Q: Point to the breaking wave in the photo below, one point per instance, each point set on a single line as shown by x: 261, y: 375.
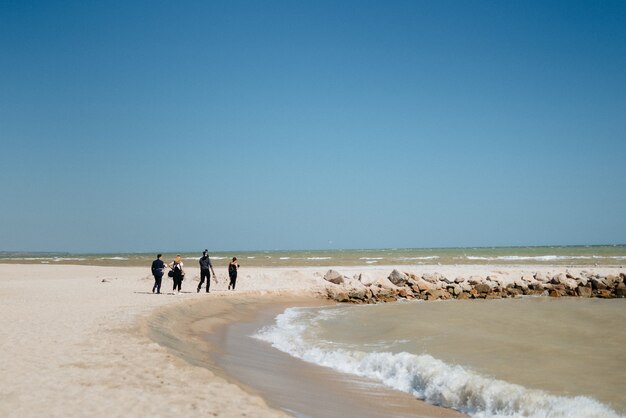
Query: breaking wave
x: 426, y: 377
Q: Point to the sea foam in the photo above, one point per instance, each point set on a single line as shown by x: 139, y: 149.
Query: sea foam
x: 426, y: 377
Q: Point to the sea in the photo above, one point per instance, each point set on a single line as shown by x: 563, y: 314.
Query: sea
x: 601, y: 255
x: 528, y: 357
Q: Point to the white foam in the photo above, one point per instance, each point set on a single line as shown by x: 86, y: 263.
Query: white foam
x: 530, y: 258
x: 430, y: 257
x: 68, y: 259
x: 113, y: 258
x: 371, y: 258
x: 284, y: 258
x: 319, y: 258
x: 426, y: 377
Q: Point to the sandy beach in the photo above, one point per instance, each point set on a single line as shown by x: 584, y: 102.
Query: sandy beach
x: 86, y: 340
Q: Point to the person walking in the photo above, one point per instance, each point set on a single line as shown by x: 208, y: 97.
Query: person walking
x: 205, y: 271
x: 178, y: 273
x: 158, y: 267
x: 232, y: 273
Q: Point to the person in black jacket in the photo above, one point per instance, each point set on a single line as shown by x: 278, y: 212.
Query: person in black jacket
x: 205, y: 271
x: 158, y: 267
x: 232, y: 273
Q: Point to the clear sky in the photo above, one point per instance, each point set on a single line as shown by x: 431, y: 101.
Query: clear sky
x: 169, y: 125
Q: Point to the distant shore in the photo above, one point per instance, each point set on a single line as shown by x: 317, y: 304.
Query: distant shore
x: 90, y: 340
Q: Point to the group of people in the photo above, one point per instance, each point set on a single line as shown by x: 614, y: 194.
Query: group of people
x: 177, y: 272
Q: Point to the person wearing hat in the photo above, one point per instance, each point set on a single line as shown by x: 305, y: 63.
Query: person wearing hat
x: 205, y: 271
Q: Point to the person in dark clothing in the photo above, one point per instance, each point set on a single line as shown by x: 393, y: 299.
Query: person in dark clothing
x: 158, y: 267
x: 205, y: 271
x: 232, y: 273
x: 179, y: 273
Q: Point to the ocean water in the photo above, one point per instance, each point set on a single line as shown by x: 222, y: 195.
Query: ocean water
x: 610, y: 255
x: 530, y: 357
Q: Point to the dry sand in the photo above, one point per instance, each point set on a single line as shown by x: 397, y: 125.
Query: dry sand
x: 79, y: 340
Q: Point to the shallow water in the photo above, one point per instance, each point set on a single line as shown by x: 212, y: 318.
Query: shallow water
x: 521, y: 357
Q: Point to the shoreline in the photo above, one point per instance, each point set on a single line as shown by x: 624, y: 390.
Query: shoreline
x: 285, y: 383
x: 76, y: 339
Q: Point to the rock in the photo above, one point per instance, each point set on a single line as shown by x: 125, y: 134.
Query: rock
x: 620, y: 291
x: 514, y: 291
x: 604, y: 294
x: 463, y: 296
x: 104, y: 281
x: 386, y: 295
x: 423, y: 285
x: 459, y: 280
x: 444, y: 279
x: 351, y: 283
x: 465, y: 286
x: 584, y: 291
x: 436, y: 294
x: 432, y: 278
x: 598, y: 284
x: 384, y: 283
x: 570, y: 284
x: 612, y: 281
x: 540, y: 277
x: 483, y: 288
x: 455, y: 289
x: 333, y: 277
x: 398, y: 278
x: 559, y: 279
x: 366, y: 279
x: 357, y: 293
x: 337, y: 293
x: 475, y: 280
x: 520, y: 283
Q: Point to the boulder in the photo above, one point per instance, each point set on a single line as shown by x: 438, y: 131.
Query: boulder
x: 612, y: 281
x: 570, y: 284
x: 398, y: 278
x: 358, y: 294
x: 437, y: 294
x: 604, y: 294
x: 465, y: 286
x: 463, y: 296
x: 584, y: 291
x: 598, y: 284
x: 540, y: 277
x: 366, y: 279
x: 445, y: 280
x: 559, y: 279
x: 483, y: 288
x: 459, y: 280
x: 384, y: 283
x: 333, y: 277
x: 337, y: 293
x: 423, y: 285
x: 620, y: 291
x: 475, y: 280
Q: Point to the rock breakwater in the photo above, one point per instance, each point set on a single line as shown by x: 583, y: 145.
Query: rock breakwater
x: 362, y: 288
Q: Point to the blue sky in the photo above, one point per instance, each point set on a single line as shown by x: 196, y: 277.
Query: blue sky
x: 146, y: 126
